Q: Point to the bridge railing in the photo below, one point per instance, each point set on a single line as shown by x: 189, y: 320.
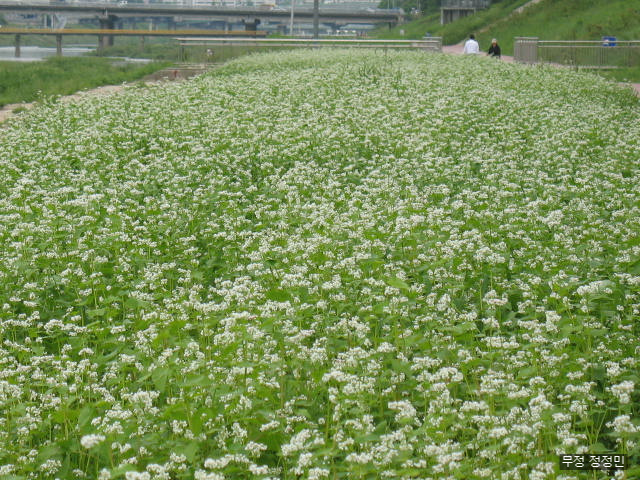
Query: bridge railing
x: 587, y: 54
x: 433, y: 44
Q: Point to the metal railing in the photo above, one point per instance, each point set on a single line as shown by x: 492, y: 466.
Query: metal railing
x: 586, y: 54
x: 590, y: 54
x: 432, y: 44
x: 525, y: 50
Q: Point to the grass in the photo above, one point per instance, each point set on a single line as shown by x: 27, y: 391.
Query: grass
x: 27, y: 82
x: 323, y: 264
x: 548, y: 20
x: 453, y: 32
x: 629, y: 74
x: 169, y: 51
x: 574, y: 20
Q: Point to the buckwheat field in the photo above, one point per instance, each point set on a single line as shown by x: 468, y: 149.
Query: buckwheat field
x: 323, y: 265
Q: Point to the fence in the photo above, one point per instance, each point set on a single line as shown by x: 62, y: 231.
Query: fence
x: 432, y: 44
x: 589, y: 54
x: 525, y: 50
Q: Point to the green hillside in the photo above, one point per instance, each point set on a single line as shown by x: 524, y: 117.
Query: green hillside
x: 456, y: 31
x: 570, y: 20
x: 549, y: 19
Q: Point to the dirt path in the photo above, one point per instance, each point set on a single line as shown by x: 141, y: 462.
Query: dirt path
x: 525, y: 6
x: 11, y: 109
x: 176, y: 73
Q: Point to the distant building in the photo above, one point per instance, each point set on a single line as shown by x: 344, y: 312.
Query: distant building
x: 452, y: 10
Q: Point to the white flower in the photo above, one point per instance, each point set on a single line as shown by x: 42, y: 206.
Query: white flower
x: 405, y: 410
x: 622, y: 424
x: 90, y: 441
x: 104, y: 474
x: 623, y: 391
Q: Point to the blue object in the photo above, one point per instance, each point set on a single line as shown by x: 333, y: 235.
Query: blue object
x: 609, y: 41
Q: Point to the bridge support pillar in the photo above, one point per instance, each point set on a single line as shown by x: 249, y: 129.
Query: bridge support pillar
x: 141, y: 42
x: 316, y: 19
x: 59, y: 45
x: 106, y: 23
x: 17, y: 44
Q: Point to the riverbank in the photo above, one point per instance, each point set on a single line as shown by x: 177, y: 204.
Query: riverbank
x: 33, y: 81
x: 169, y: 73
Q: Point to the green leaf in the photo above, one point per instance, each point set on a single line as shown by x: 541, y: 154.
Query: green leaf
x: 134, y: 303
x: 367, y: 438
x: 48, y: 452
x: 461, y: 329
x: 190, y: 451
x: 277, y: 295
x: 397, y: 283
x: 160, y: 377
x: 527, y: 372
x: 85, y: 415
x: 98, y: 312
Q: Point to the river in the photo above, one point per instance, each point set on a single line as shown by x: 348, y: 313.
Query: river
x: 34, y: 54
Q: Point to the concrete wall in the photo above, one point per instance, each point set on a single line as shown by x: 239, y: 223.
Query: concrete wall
x: 448, y: 15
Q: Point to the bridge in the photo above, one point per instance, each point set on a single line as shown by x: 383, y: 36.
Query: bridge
x: 113, y: 11
x: 105, y: 37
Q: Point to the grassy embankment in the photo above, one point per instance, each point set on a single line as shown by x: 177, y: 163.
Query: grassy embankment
x: 456, y: 31
x: 547, y: 20
x: 26, y: 82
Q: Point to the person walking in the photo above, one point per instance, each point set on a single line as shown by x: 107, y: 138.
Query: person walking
x: 494, y: 49
x: 471, y: 46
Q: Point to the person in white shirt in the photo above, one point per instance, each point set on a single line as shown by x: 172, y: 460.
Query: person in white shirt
x: 471, y: 46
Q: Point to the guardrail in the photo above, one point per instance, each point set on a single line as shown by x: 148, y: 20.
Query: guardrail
x: 587, y: 54
x: 433, y: 44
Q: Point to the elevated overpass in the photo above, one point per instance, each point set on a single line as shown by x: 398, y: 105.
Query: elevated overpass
x: 114, y: 11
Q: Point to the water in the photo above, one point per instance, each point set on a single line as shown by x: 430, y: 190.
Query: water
x: 34, y: 54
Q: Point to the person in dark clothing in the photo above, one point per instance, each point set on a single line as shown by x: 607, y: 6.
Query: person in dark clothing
x: 494, y: 49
